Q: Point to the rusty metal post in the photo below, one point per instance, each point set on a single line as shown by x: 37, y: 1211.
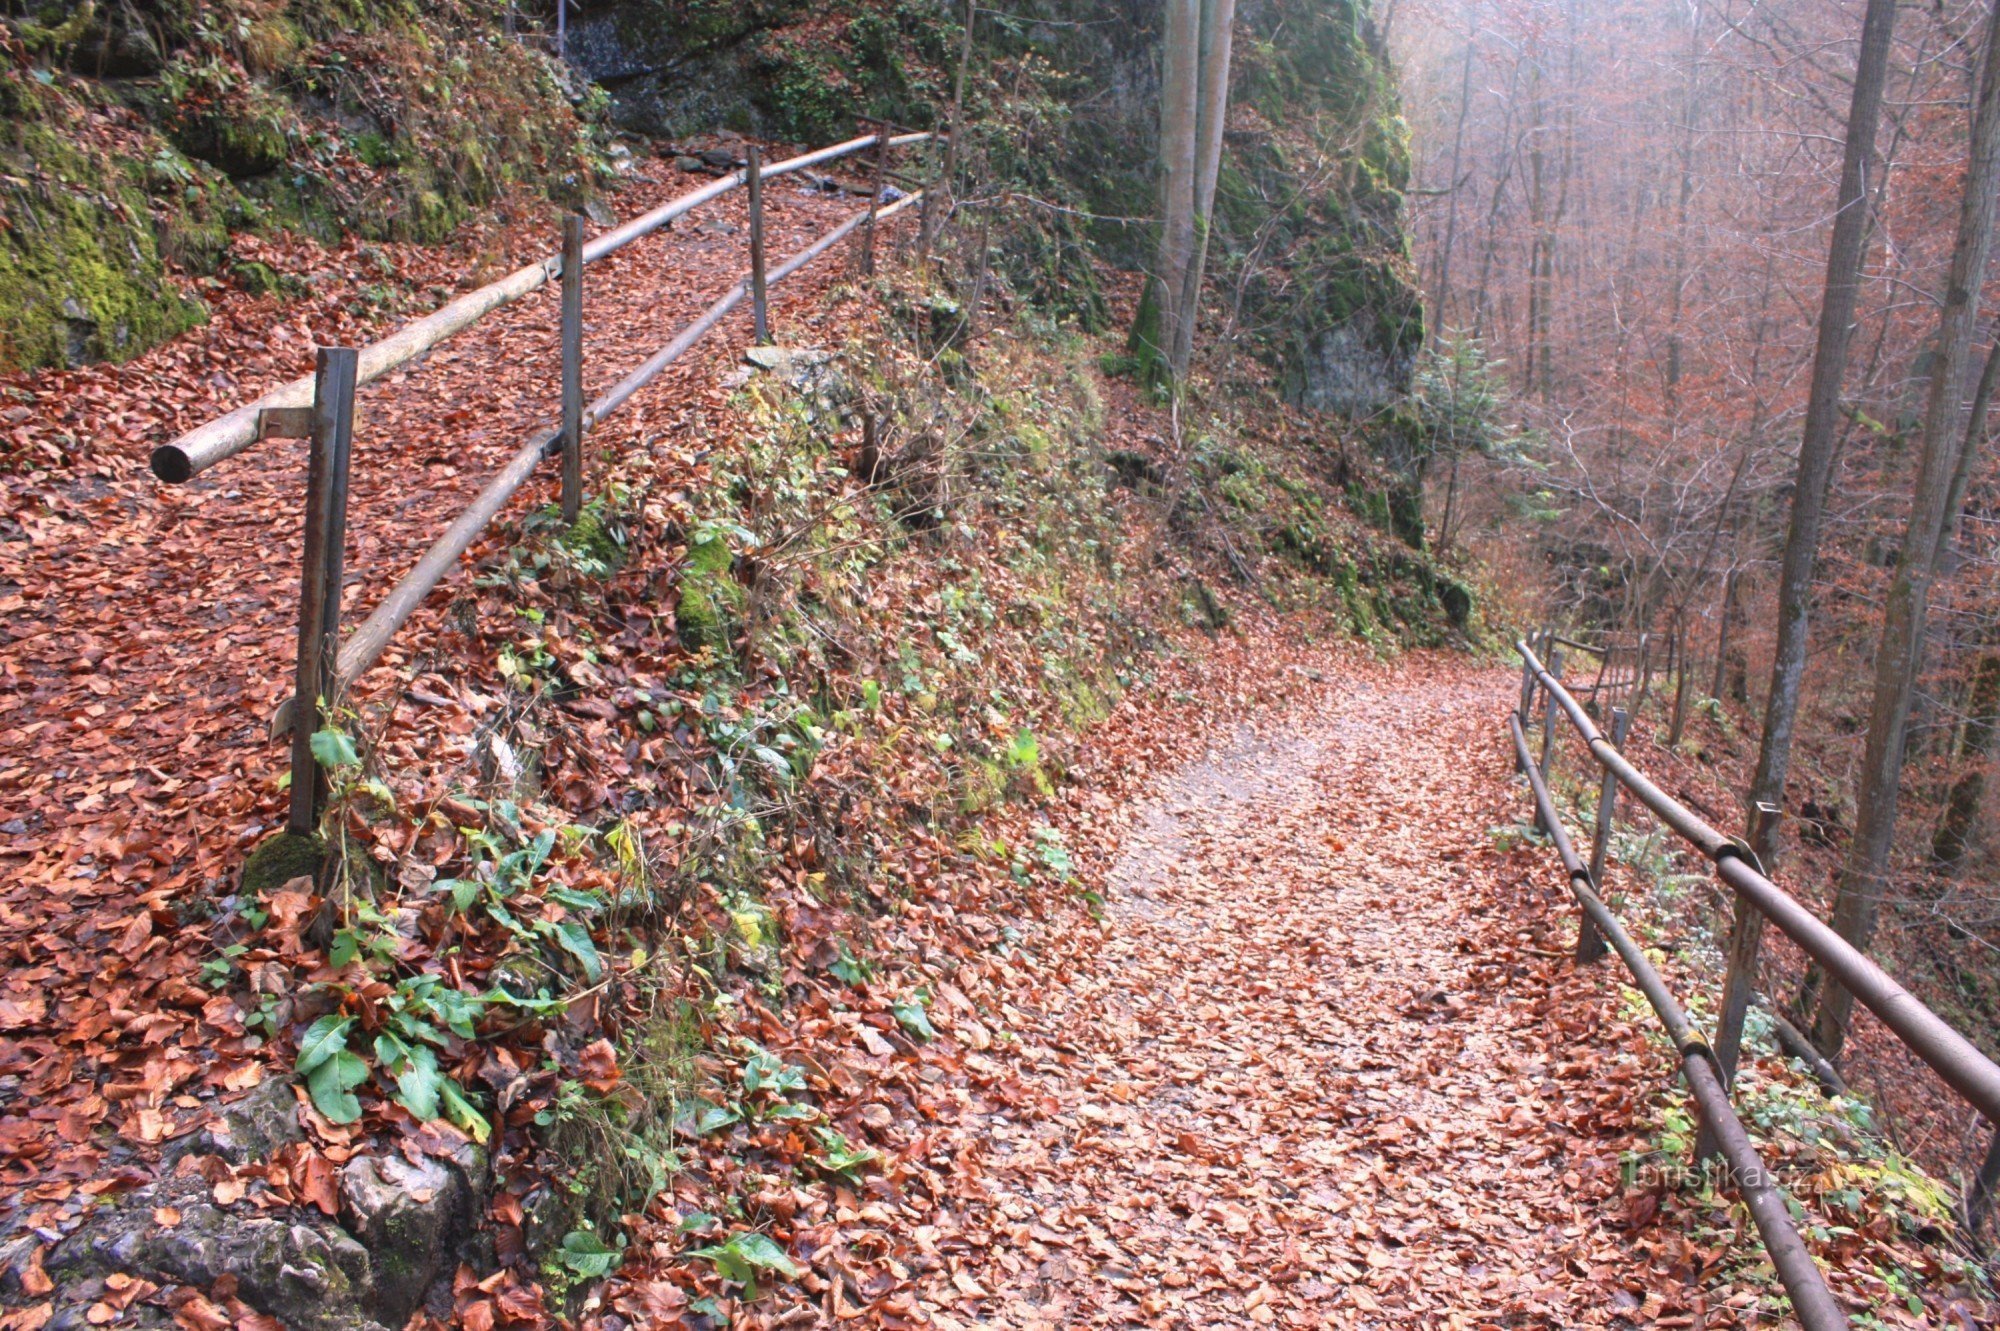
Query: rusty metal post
x: 1590, y: 943
x: 1745, y: 937
x: 572, y: 368
x: 1555, y: 665
x: 760, y: 316
x: 332, y: 433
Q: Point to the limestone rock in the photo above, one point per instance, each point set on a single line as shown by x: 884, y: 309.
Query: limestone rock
x: 415, y: 1218
x: 252, y: 1129
x: 298, y: 1266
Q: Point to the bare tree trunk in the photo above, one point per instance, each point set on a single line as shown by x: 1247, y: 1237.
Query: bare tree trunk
x: 1441, y: 298
x: 1863, y: 877
x: 1955, y: 831
x: 1719, y: 688
x: 1817, y: 444
x: 1157, y: 329
x: 1218, y: 18
x: 936, y: 210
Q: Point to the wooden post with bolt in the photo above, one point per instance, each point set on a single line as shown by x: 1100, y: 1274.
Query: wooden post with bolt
x: 878, y: 178
x: 332, y: 434
x: 1745, y: 937
x: 1555, y: 662
x: 572, y: 368
x: 759, y: 307
x: 1589, y: 943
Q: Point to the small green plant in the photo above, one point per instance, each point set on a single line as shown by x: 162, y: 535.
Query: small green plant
x: 587, y: 1256
x: 840, y: 1157
x: 745, y: 1257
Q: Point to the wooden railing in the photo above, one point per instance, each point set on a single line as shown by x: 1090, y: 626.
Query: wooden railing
x: 1710, y: 1066
x: 320, y: 408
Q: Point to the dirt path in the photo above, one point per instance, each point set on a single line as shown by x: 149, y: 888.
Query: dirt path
x: 1317, y: 1073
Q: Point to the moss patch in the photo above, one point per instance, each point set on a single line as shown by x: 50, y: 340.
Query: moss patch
x: 705, y: 614
x: 281, y: 858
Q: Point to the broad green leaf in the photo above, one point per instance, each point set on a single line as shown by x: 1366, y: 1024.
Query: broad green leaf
x: 588, y: 1255
x: 460, y: 1111
x: 419, y: 1083
x: 912, y: 1017
x: 576, y: 940
x: 744, y: 1256
x: 332, y: 748
x: 464, y: 891
x: 323, y: 1039
x: 714, y: 1119
x: 390, y: 1051
x: 332, y: 1085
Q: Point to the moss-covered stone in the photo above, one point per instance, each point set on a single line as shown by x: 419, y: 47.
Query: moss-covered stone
x: 279, y: 859
x: 257, y: 121
x: 710, y: 598
x: 81, y: 273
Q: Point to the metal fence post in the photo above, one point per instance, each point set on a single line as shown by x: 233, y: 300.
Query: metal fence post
x: 1745, y: 936
x: 759, y: 309
x: 321, y: 569
x: 1590, y: 943
x: 572, y: 368
x: 1555, y: 664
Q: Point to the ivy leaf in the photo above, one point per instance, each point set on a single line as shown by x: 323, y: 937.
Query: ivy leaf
x: 323, y: 1039
x: 332, y: 1084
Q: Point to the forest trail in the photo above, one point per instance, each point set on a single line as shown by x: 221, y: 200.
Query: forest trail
x: 1327, y: 1066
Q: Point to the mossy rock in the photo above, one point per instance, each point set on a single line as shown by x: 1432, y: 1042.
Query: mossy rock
x: 281, y: 858
x: 82, y: 277
x: 705, y: 614
x: 260, y: 279
x: 594, y: 541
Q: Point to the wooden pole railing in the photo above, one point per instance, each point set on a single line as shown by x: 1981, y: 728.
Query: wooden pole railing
x: 196, y: 451
x: 1953, y: 1057
x: 367, y: 643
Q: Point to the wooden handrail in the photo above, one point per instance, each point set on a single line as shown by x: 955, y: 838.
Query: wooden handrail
x: 224, y: 437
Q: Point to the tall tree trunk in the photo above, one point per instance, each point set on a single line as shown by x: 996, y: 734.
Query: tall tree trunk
x: 1817, y: 441
x: 1863, y: 878
x: 1158, y: 325
x: 1218, y: 18
x: 1954, y: 837
x: 1442, y: 292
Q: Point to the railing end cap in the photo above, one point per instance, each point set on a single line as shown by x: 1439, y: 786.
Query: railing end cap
x: 171, y: 464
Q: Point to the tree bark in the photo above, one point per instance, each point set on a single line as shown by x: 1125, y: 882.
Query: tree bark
x: 1218, y: 18
x: 1818, y: 439
x: 1863, y: 877
x: 1157, y: 329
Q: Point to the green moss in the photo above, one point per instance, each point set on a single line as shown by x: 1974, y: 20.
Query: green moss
x: 81, y: 273
x: 279, y: 859
x: 710, y: 597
